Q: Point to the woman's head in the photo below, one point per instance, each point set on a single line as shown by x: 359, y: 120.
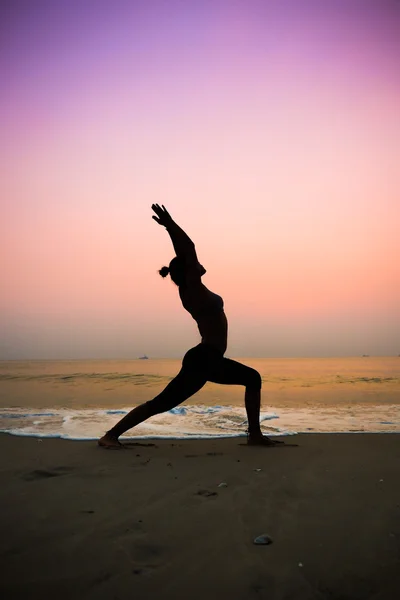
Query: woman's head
x: 177, y: 270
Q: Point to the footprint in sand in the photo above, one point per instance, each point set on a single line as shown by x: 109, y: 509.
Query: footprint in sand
x: 146, y: 558
x: 139, y: 444
x: 46, y: 473
x: 206, y: 493
x: 145, y: 570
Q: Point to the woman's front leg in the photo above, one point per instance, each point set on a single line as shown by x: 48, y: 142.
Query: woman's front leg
x: 231, y: 372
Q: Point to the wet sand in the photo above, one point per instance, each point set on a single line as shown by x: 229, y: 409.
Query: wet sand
x: 151, y: 522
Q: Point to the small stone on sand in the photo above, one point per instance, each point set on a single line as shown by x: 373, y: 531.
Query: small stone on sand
x: 263, y: 540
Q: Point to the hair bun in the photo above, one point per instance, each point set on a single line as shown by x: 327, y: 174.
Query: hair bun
x: 164, y: 271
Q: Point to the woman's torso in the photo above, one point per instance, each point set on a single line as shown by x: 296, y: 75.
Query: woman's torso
x: 207, y: 309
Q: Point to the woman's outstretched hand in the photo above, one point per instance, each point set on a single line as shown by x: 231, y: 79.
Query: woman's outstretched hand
x: 163, y: 217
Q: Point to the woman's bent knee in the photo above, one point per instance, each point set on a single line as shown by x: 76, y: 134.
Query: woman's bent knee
x: 254, y: 381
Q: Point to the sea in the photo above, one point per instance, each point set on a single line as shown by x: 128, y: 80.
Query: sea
x: 81, y: 399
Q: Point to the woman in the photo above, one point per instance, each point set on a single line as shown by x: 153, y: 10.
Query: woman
x: 205, y: 362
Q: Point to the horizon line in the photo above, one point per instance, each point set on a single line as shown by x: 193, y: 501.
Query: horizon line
x: 178, y: 358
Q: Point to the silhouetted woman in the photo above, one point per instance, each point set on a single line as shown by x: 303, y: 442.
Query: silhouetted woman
x: 205, y: 362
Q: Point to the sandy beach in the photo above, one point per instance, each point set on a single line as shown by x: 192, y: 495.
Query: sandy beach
x: 152, y: 522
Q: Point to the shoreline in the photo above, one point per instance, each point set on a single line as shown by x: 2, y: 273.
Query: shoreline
x: 210, y: 438
x: 152, y: 522
x: 189, y: 421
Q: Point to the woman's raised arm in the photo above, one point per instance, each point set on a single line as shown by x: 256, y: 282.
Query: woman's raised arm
x: 183, y: 245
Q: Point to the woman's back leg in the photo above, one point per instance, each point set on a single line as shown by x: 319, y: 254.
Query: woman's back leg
x: 185, y: 384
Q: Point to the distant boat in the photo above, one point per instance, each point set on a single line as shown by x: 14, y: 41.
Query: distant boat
x: 365, y: 355
x: 144, y: 357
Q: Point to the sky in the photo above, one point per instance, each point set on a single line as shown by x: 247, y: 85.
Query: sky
x: 269, y: 129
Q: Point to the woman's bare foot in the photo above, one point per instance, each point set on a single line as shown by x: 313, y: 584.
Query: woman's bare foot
x: 109, y: 441
x: 262, y: 440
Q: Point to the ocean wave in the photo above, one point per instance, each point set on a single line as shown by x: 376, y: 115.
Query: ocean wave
x: 135, y: 378
x: 153, y: 379
x: 198, y: 422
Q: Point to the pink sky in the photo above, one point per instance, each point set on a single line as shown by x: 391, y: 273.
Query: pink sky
x: 270, y: 130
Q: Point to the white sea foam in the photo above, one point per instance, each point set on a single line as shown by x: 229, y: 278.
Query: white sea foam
x: 198, y: 422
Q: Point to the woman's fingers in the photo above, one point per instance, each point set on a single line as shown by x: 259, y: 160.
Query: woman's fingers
x: 157, y: 209
x: 162, y: 213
